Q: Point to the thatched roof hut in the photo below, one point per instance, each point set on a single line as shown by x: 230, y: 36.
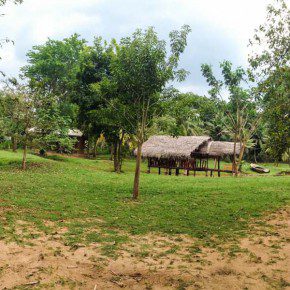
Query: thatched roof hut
x: 218, y: 149
x: 173, y: 147
x: 186, y: 147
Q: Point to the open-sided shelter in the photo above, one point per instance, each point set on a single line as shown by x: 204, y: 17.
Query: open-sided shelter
x: 189, y: 153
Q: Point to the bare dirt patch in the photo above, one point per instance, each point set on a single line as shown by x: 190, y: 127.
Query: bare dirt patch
x: 260, y: 261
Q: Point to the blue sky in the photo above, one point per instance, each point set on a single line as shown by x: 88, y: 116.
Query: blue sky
x: 220, y: 28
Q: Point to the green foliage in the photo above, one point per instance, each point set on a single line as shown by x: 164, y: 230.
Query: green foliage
x: 33, y: 117
x: 141, y: 71
x: 215, y: 84
x: 271, y: 71
x: 277, y: 107
x: 53, y: 68
x: 271, y: 41
x: 181, y: 115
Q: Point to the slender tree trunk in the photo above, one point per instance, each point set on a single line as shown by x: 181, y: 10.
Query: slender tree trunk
x: 112, y: 152
x: 137, y: 171
x: 234, y: 157
x: 241, y: 155
x: 24, y: 155
x: 14, y: 143
x: 115, y: 156
x: 255, y: 155
x: 95, y: 148
x: 120, y: 157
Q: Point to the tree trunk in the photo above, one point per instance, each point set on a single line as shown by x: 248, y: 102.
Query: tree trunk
x: 112, y: 152
x: 119, y: 157
x: 95, y: 148
x: 243, y: 147
x: 234, y: 157
x: 116, y: 157
x: 115, y: 152
x: 255, y: 156
x: 24, y: 155
x: 137, y: 172
x: 14, y: 144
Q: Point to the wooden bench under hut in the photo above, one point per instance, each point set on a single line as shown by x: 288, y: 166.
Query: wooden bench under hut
x: 188, y: 153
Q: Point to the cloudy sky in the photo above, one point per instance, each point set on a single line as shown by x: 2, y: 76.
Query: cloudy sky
x: 220, y: 28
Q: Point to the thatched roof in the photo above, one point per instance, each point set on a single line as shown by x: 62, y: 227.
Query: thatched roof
x: 219, y: 148
x: 171, y: 147
x: 186, y: 147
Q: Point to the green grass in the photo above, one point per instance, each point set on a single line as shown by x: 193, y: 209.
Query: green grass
x: 95, y: 204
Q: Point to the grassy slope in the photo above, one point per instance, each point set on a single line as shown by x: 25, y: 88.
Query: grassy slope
x: 95, y: 204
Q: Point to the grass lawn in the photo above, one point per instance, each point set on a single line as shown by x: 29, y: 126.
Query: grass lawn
x: 94, y: 203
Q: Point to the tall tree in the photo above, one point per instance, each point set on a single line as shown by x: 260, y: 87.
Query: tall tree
x: 240, y: 109
x: 53, y: 69
x: 270, y: 62
x: 95, y: 116
x: 140, y: 72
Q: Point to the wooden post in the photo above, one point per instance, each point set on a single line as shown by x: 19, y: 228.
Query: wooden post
x: 159, y: 170
x: 177, y: 172
x: 215, y: 163
x: 149, y: 162
x: 169, y: 171
x: 219, y: 172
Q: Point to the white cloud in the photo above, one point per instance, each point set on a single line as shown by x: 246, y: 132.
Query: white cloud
x: 221, y: 29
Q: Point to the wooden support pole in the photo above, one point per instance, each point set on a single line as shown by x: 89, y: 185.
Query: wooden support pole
x: 219, y: 168
x: 169, y: 171
x: 159, y: 170
x: 177, y: 172
x: 149, y: 163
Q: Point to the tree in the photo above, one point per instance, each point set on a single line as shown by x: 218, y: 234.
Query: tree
x: 39, y: 121
x: 179, y: 115
x: 53, y: 68
x: 140, y: 72
x: 10, y: 106
x: 270, y: 68
x: 97, y: 96
x: 242, y: 118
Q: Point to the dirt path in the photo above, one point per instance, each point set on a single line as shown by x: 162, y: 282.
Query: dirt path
x: 260, y: 261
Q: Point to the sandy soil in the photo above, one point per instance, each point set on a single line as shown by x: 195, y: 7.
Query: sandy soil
x: 260, y: 261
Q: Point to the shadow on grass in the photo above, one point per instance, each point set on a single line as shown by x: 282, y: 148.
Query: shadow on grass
x: 57, y: 158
